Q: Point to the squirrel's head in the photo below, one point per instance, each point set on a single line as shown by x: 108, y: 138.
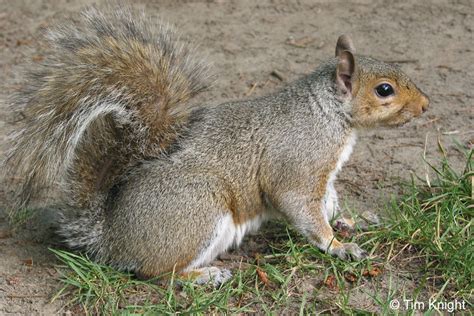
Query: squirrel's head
x: 380, y: 93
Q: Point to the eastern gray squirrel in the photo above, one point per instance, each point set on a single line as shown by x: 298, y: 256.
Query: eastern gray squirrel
x: 149, y: 183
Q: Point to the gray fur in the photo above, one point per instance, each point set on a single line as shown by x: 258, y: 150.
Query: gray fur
x: 273, y: 154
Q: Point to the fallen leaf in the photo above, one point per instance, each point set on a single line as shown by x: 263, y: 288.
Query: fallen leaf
x: 374, y: 272
x: 350, y: 277
x: 263, y: 276
x: 330, y: 282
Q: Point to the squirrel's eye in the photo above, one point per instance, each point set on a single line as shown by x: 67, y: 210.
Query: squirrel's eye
x: 384, y: 90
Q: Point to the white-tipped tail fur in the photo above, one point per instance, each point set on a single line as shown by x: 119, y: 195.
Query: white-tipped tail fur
x: 114, y: 91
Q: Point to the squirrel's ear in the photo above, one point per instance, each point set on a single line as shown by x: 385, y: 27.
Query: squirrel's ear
x: 344, y: 43
x: 344, y: 73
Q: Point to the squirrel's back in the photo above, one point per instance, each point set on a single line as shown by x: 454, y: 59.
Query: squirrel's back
x: 114, y: 91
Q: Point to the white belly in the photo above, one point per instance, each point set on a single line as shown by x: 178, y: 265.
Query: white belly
x: 331, y: 204
x: 226, y: 235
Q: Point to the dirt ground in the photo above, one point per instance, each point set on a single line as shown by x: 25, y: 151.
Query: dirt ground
x: 247, y: 41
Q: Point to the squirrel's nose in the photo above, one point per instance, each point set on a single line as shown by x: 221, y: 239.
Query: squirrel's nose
x: 424, y: 107
x: 425, y: 102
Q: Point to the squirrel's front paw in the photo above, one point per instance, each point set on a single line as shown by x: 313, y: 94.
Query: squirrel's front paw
x: 345, y: 225
x: 349, y: 251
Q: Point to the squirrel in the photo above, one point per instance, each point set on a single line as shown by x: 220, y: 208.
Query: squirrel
x: 150, y: 183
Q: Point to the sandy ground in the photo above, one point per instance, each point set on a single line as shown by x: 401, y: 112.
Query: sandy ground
x: 246, y: 42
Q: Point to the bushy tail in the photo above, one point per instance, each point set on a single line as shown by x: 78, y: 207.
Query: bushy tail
x: 114, y: 91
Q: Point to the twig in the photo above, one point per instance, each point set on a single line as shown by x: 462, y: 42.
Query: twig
x: 404, y: 247
x: 424, y: 159
x: 252, y: 88
x: 403, y: 61
x: 429, y: 122
x: 450, y: 133
x: 275, y: 73
x: 24, y: 296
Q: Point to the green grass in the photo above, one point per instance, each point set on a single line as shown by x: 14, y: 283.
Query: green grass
x: 426, y: 239
x: 433, y: 225
x: 99, y: 289
x: 102, y: 290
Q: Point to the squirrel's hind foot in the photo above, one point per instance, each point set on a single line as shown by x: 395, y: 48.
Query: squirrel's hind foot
x: 214, y: 275
x: 349, y: 251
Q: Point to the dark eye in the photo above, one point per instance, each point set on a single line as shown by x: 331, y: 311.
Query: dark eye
x: 384, y: 90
